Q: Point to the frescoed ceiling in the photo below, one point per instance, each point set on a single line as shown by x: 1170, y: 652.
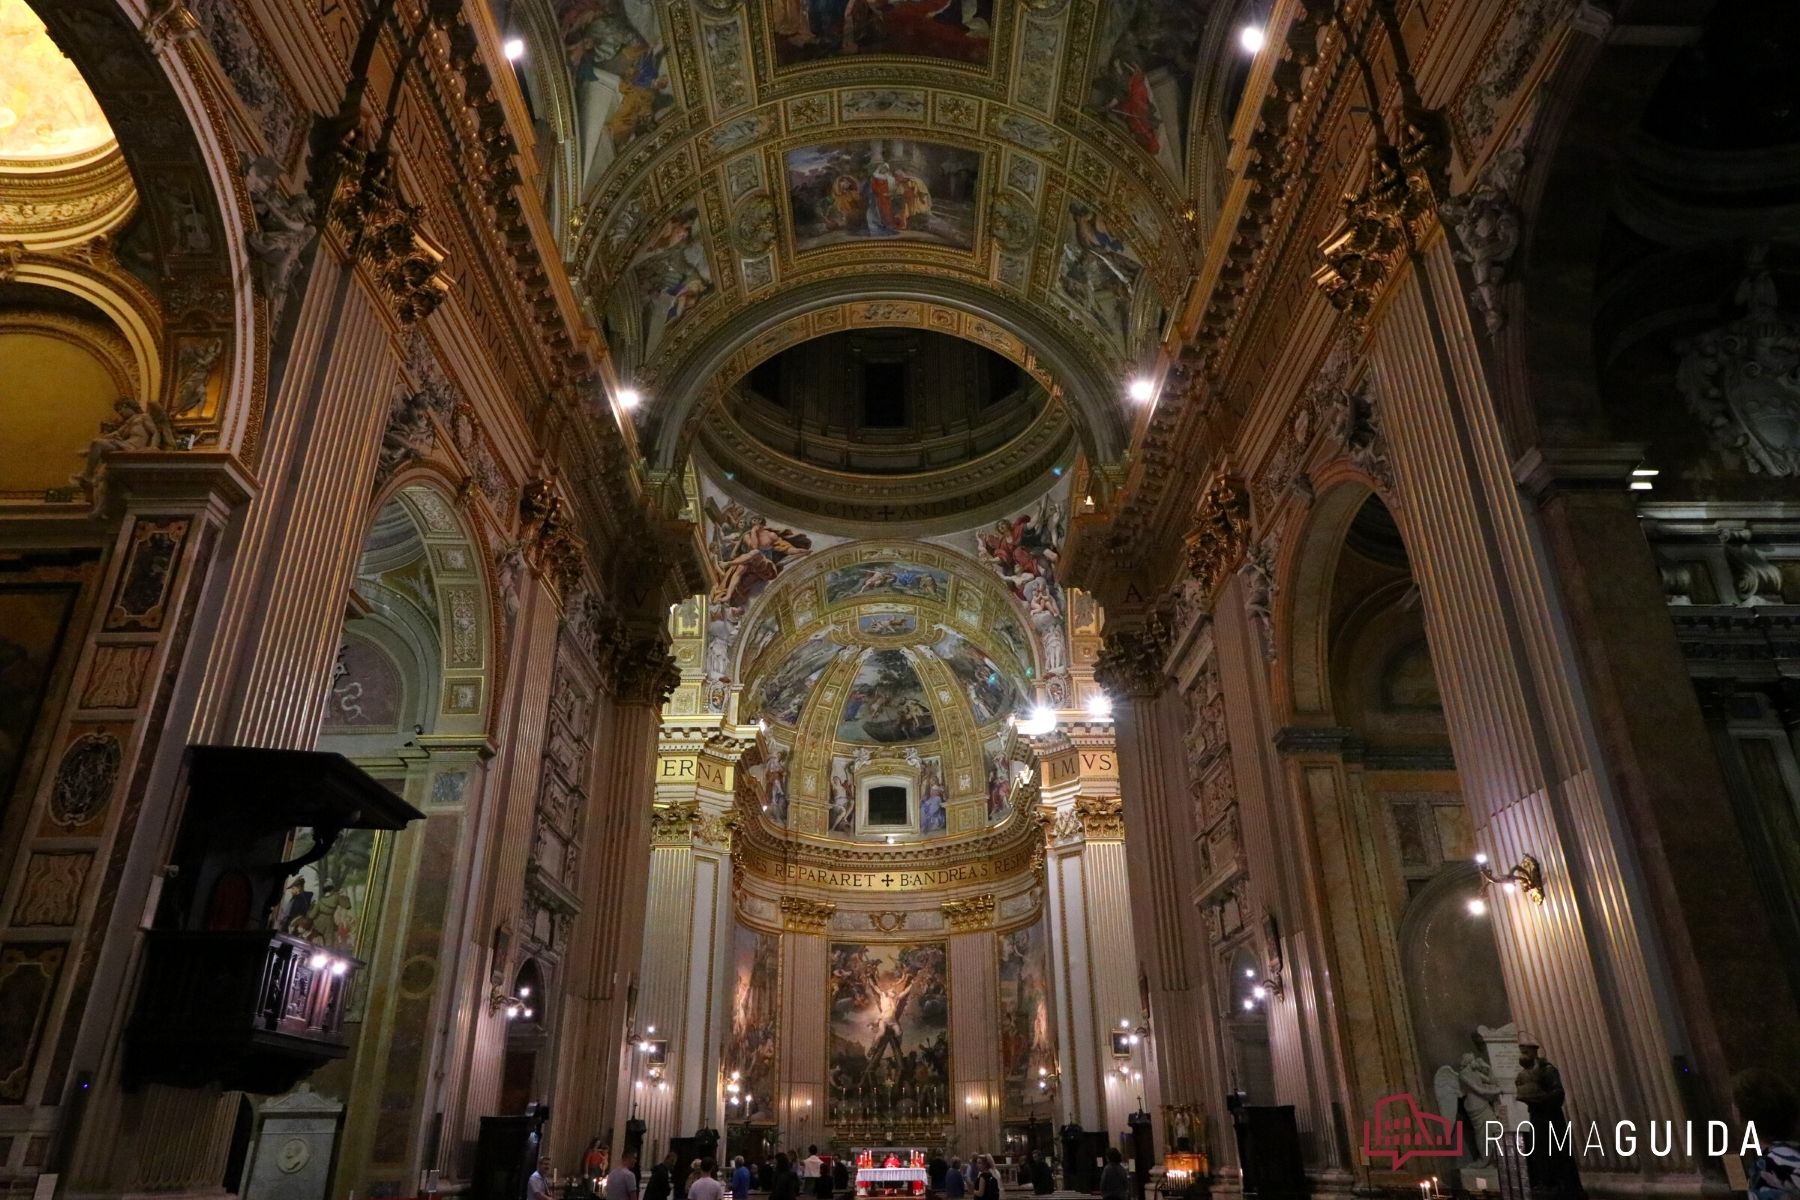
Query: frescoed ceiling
x: 47, y: 113
x: 723, y: 171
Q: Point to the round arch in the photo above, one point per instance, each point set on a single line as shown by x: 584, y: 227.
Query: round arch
x: 197, y: 213
x: 1092, y: 398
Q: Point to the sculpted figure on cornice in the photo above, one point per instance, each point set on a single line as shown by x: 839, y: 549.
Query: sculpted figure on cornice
x: 1258, y: 573
x: 134, y: 426
x: 285, y: 227
x: 1352, y: 421
x: 1485, y: 220
x: 408, y: 436
x: 1131, y: 660
x: 1216, y: 536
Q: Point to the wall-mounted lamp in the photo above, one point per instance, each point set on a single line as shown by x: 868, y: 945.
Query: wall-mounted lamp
x: 513, y: 1006
x: 1527, y: 875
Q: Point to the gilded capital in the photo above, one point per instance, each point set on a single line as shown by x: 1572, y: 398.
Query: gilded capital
x: 965, y: 916
x: 806, y: 916
x: 1102, y: 818
x: 674, y: 824
x: 639, y: 670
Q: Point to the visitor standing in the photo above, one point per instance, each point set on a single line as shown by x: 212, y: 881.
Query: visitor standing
x: 622, y: 1181
x: 705, y: 1186
x: 537, y: 1187
x: 1043, y: 1180
x: 811, y: 1164
x: 740, y: 1179
x: 1115, y: 1180
x: 662, y: 1179
x: 786, y: 1184
x: 956, y: 1184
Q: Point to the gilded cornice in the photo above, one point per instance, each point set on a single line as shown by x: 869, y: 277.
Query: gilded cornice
x: 48, y: 208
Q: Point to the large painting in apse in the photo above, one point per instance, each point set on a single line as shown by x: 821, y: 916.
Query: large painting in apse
x: 887, y: 579
x: 886, y: 702
x: 990, y: 693
x: 890, y: 1029
x: 808, y: 30
x: 884, y: 189
x: 780, y: 695
x: 750, y: 1043
x: 1026, y: 1044
x: 33, y: 619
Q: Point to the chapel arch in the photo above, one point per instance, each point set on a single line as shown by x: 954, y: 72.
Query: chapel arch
x: 1404, y: 905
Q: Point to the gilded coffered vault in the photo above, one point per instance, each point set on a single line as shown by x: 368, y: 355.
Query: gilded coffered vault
x: 730, y: 173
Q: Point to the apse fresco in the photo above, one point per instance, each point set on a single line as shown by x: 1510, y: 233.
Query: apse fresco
x: 1097, y: 273
x: 887, y: 624
x: 1012, y: 636
x: 775, y: 784
x: 620, y: 67
x: 990, y: 693
x: 749, y: 550
x: 750, y: 1043
x: 933, y: 816
x: 886, y: 702
x: 671, y: 274
x: 781, y: 694
x: 1144, y: 56
x: 841, y: 818
x: 887, y: 579
x: 809, y: 30
x: 999, y: 778
x: 1027, y: 1045
x: 890, y: 1029
x: 888, y: 188
x: 766, y: 630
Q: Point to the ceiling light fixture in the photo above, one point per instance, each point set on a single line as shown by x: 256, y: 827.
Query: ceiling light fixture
x: 1099, y: 706
x: 1141, y: 389
x: 629, y: 398
x: 515, y: 49
x: 1251, y: 38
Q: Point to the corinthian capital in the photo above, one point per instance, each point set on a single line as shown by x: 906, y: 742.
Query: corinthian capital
x: 1130, y: 665
x: 640, y: 670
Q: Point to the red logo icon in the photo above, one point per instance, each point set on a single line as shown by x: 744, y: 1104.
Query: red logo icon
x: 1402, y: 1131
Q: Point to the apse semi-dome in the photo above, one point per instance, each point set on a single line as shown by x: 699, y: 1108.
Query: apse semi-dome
x: 887, y: 689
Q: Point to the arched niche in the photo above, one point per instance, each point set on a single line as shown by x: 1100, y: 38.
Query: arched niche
x: 1452, y: 969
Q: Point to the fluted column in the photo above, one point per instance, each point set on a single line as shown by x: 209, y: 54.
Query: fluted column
x: 608, y: 935
x: 805, y: 1016
x: 1282, y: 895
x: 974, y: 1050
x: 1584, y: 969
x: 270, y: 655
x: 1159, y: 845
x: 508, y: 825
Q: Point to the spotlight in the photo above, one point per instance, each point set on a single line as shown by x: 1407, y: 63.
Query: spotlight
x: 1249, y: 973
x: 1477, y: 906
x: 1124, y: 1024
x: 527, y: 1014
x: 1251, y: 38
x: 1249, y: 1006
x: 524, y: 992
x: 317, y: 961
x: 512, y: 1010
x: 629, y: 398
x: 1099, y: 705
x: 1141, y: 389
x: 1259, y: 992
x: 1481, y: 859
x: 339, y: 966
x: 515, y: 49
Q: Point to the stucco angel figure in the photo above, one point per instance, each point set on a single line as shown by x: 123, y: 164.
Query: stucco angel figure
x: 135, y: 427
